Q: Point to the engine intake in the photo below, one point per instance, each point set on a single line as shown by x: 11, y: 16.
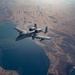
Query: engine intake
x: 32, y: 28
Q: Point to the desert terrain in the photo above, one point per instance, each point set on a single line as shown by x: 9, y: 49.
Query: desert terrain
x: 59, y: 16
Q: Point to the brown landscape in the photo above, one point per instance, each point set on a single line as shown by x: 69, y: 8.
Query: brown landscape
x: 59, y: 16
x: 5, y: 72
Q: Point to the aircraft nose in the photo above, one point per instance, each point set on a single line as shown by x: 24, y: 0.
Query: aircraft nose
x: 17, y: 39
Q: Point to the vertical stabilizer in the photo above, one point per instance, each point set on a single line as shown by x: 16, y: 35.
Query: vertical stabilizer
x: 46, y: 29
x: 35, y: 25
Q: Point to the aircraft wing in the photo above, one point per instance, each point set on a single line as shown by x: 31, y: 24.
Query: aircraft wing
x: 42, y: 37
x: 20, y: 37
x: 19, y: 30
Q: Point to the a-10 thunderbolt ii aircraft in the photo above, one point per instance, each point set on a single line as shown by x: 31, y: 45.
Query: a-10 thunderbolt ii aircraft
x: 32, y: 33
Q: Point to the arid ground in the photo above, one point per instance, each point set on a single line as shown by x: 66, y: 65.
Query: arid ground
x: 59, y: 16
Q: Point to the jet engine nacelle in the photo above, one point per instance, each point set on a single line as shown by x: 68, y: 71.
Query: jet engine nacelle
x: 32, y: 28
x: 38, y: 30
